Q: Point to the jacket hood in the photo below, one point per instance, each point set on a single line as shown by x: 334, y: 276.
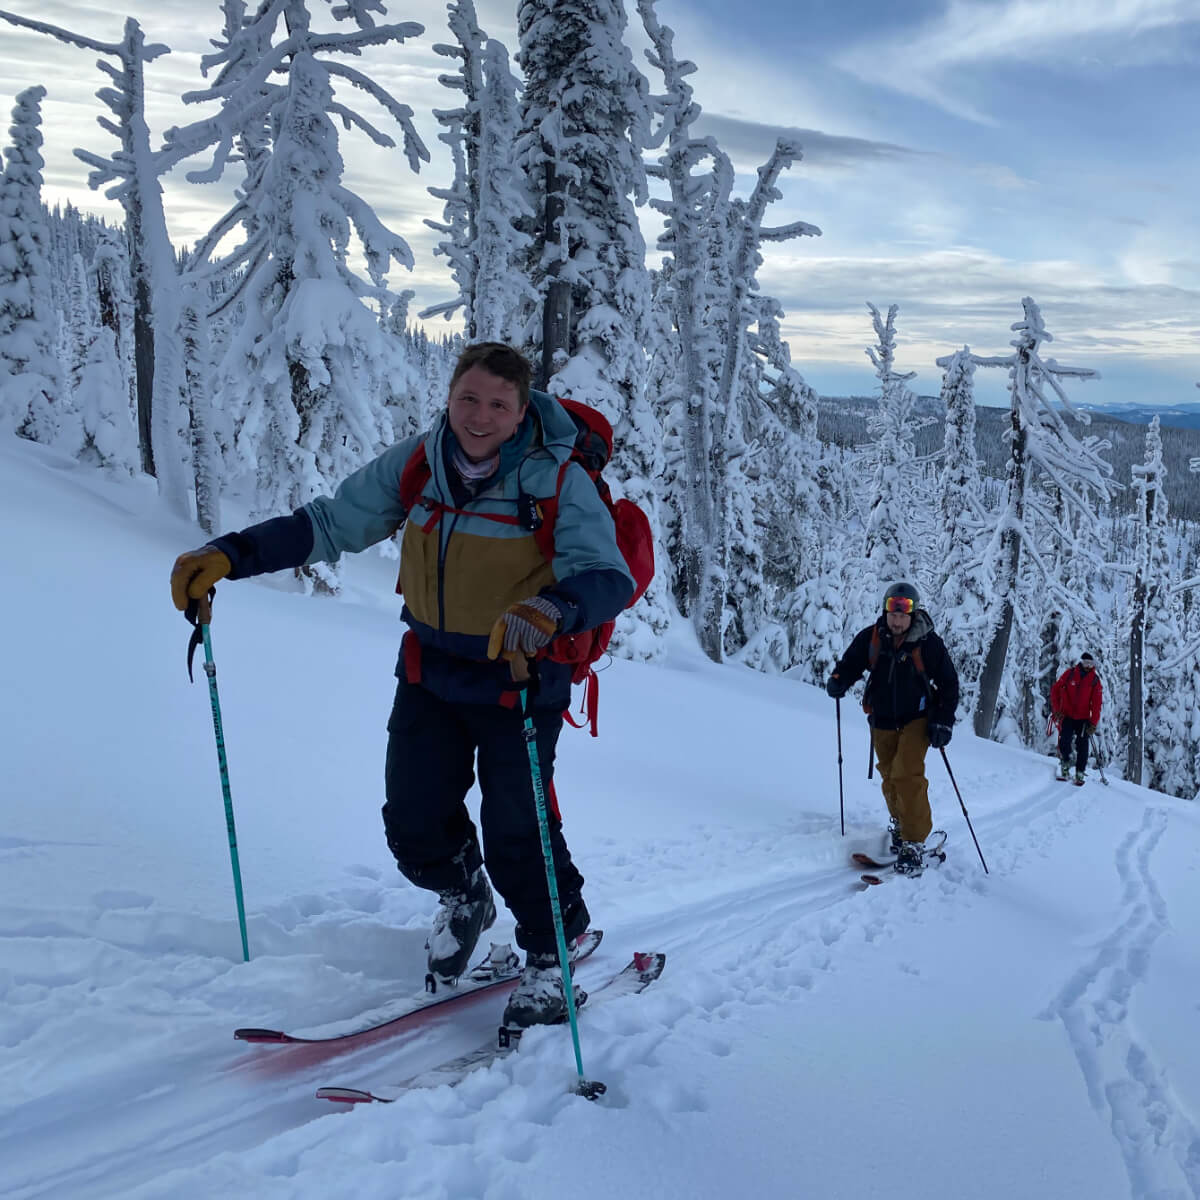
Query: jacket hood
x: 558, y: 428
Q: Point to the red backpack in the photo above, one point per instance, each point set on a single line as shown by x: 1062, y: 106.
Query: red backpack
x: 592, y: 450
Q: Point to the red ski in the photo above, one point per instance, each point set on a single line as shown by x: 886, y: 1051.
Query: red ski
x: 638, y: 975
x: 499, y: 971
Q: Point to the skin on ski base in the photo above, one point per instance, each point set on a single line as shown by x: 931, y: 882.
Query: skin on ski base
x: 450, y: 993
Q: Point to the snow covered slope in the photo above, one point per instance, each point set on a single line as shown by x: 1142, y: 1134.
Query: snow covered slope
x: 1030, y: 1033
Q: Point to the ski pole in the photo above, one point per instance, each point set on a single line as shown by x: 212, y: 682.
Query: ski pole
x: 1095, y: 744
x: 964, y: 810
x: 589, y: 1089
x: 841, y: 794
x: 870, y: 749
x: 199, y: 612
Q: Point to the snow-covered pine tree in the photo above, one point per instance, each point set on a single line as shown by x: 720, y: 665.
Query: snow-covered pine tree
x: 162, y: 416
x: 34, y: 401
x: 785, y: 474
x: 1041, y: 444
x: 584, y: 122
x: 1157, y: 705
x: 961, y: 593
x: 735, y: 399
x: 488, y: 209
x: 115, y: 296
x: 504, y: 293
x: 892, y: 500
x: 461, y: 133
x: 756, y: 494
x: 689, y: 400
x: 106, y: 433
x: 306, y: 362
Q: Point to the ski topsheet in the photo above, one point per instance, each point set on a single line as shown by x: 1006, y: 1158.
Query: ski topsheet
x: 636, y: 976
x: 406, y: 1014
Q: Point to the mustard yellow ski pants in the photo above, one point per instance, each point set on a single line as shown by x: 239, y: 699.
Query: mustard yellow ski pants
x: 900, y: 754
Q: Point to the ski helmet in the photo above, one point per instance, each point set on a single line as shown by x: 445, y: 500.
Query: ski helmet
x: 903, y: 591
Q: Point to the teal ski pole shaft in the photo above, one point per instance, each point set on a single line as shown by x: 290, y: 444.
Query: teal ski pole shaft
x: 210, y: 669
x: 590, y: 1089
x: 199, y: 612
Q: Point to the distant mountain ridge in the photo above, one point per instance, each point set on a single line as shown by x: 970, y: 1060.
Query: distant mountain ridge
x: 1170, y: 416
x: 841, y: 421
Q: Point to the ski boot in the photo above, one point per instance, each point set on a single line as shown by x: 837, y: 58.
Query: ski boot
x: 461, y: 918
x: 1079, y: 779
x: 911, y: 859
x: 539, y: 998
x: 893, y: 834
x: 1064, y: 770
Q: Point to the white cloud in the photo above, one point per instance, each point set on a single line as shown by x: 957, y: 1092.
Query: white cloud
x: 970, y: 33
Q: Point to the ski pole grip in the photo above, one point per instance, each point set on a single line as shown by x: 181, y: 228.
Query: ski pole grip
x: 518, y: 666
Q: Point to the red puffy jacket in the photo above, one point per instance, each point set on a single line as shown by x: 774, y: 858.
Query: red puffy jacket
x: 1078, y: 694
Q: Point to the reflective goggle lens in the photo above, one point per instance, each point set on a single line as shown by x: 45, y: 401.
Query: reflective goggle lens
x: 900, y: 604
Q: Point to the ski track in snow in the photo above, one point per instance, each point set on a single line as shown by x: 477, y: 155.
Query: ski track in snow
x: 228, y: 1109
x: 1158, y: 1139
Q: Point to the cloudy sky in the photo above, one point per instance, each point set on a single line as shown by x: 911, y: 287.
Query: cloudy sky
x: 958, y: 156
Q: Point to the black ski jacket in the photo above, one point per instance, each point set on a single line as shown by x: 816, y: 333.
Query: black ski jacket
x: 896, y: 691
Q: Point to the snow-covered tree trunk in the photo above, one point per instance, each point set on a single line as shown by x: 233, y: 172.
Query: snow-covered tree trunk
x: 193, y: 327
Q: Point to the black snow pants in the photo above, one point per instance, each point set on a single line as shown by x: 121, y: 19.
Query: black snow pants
x: 1073, y: 742
x: 432, y: 748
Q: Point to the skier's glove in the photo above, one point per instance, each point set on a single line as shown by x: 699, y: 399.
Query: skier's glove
x: 195, y: 572
x: 525, y: 628
x: 1090, y: 730
x: 939, y: 735
x: 836, y: 688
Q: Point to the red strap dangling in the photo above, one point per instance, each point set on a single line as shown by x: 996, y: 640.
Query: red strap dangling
x: 589, y: 709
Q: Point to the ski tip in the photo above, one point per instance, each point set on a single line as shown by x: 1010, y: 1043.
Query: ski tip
x: 871, y: 880
x: 260, y: 1035
x: 345, y: 1095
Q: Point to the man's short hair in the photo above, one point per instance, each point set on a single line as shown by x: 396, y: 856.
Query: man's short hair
x: 497, y: 359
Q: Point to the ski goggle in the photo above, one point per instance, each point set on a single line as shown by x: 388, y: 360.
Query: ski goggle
x: 900, y: 604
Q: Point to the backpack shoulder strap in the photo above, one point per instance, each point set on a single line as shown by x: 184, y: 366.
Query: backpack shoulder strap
x: 414, y: 477
x: 548, y: 511
x: 919, y: 662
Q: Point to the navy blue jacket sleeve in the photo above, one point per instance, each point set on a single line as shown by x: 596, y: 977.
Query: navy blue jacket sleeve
x: 590, y: 598
x: 269, y: 546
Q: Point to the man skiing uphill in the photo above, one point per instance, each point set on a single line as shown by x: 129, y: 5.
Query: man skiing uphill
x: 911, y: 695
x: 1075, y: 701
x: 481, y: 596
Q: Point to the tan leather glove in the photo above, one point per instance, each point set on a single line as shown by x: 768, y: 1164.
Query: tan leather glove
x: 195, y: 572
x: 524, y: 628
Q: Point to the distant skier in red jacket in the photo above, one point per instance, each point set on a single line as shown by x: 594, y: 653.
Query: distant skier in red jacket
x: 1075, y: 701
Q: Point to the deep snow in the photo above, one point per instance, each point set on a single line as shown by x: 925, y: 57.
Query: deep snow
x: 1025, y: 1034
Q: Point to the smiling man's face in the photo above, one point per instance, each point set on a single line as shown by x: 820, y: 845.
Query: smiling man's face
x: 485, y: 411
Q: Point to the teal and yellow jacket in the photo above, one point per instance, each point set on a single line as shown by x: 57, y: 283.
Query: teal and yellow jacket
x: 464, y: 558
